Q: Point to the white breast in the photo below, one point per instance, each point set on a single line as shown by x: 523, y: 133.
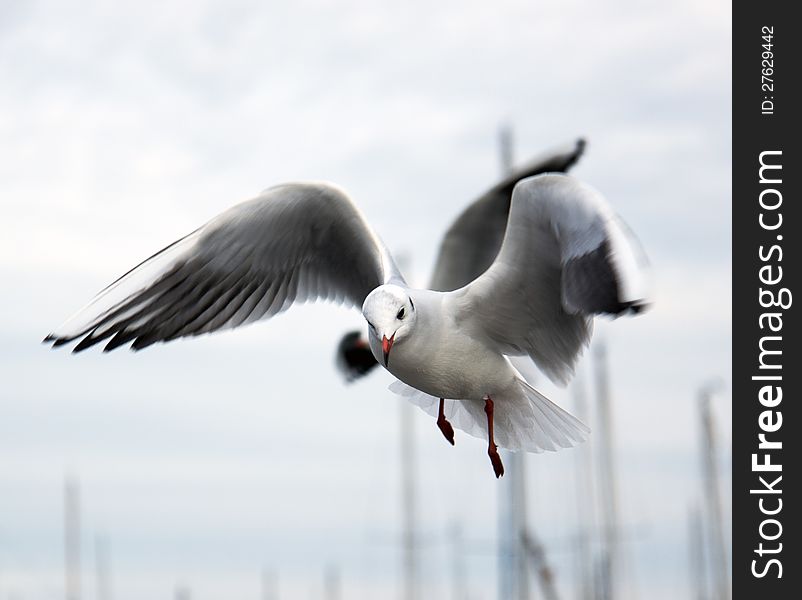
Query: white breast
x: 442, y: 360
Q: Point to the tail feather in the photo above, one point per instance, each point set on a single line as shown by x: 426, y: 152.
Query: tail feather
x: 524, y: 421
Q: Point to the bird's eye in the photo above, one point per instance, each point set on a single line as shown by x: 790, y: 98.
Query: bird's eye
x: 400, y: 314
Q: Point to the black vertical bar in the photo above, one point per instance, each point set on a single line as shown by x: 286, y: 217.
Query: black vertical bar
x: 765, y: 133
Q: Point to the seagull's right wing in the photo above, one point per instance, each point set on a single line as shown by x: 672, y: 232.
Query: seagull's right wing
x: 292, y: 243
x: 473, y: 240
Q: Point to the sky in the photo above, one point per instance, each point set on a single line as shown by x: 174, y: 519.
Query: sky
x: 201, y: 463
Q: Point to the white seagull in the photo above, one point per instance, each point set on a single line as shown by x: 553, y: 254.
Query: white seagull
x: 469, y: 247
x: 564, y: 258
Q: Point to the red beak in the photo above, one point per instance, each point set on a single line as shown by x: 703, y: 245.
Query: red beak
x: 386, y: 345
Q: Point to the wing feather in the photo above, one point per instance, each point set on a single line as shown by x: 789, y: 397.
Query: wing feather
x: 473, y: 240
x: 292, y: 243
x: 565, y: 258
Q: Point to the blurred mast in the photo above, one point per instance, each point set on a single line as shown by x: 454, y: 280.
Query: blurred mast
x: 409, y: 493
x: 717, y: 551
x: 608, y: 584
x: 331, y: 583
x: 182, y: 592
x: 459, y: 588
x: 72, y: 539
x: 507, y: 538
x: 585, y: 497
x: 269, y: 584
x: 525, y: 546
x: 536, y: 553
x: 506, y: 149
x: 698, y: 580
x: 102, y: 568
x: 409, y: 502
x: 519, y: 547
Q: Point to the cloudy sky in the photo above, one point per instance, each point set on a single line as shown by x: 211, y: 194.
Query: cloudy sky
x: 126, y: 125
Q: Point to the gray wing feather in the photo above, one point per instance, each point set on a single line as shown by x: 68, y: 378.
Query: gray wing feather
x: 564, y: 258
x: 472, y: 242
x: 292, y: 243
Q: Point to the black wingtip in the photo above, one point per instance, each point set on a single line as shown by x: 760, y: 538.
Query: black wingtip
x: 120, y: 338
x: 143, y: 341
x: 581, y: 146
x: 631, y: 308
x: 637, y: 307
x: 579, y: 149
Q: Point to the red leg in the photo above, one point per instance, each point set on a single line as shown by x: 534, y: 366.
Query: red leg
x: 492, y: 449
x: 443, y: 424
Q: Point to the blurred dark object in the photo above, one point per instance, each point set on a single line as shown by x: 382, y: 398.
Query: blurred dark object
x: 354, y: 358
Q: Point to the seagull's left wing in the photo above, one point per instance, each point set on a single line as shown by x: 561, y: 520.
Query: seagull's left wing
x: 565, y: 257
x: 292, y: 243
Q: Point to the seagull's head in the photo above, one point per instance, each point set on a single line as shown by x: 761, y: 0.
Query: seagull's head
x: 390, y: 314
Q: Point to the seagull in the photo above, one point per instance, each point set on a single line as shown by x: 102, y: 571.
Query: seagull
x: 564, y: 258
x: 468, y: 248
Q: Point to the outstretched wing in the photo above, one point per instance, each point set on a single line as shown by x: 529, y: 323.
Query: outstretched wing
x: 473, y: 241
x: 292, y: 243
x: 565, y: 257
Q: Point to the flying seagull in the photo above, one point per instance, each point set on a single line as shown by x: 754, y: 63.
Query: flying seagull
x: 564, y: 259
x: 468, y: 248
